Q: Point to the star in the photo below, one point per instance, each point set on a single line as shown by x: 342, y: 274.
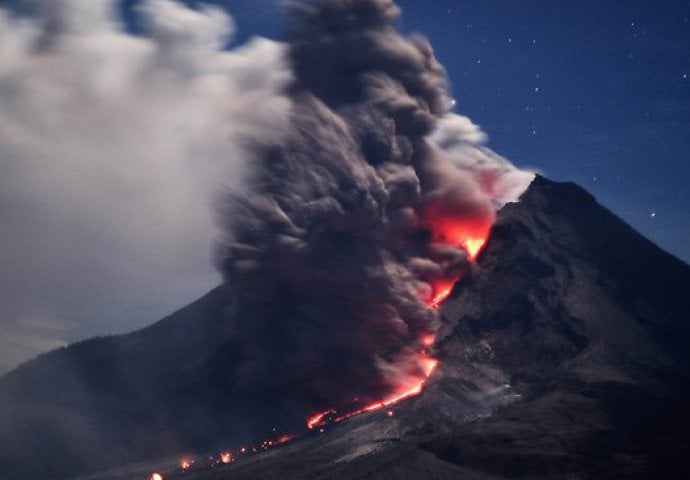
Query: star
x: 652, y: 215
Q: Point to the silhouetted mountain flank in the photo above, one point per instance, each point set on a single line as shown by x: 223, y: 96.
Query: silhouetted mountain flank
x: 564, y: 354
x: 101, y: 401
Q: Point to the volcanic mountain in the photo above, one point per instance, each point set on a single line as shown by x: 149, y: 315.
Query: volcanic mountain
x: 564, y: 353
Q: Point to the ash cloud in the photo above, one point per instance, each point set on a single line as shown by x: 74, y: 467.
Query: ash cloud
x: 111, y: 147
x: 113, y: 144
x: 342, y: 236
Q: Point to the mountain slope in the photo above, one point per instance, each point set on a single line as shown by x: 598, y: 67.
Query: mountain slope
x: 564, y: 354
x: 96, y: 403
x: 589, y: 320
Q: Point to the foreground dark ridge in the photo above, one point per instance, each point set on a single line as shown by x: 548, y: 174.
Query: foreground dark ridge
x: 564, y: 355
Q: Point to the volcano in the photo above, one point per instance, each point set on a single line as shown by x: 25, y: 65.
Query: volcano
x: 563, y: 353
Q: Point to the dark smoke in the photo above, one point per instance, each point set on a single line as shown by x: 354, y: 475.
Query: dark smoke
x: 332, y: 253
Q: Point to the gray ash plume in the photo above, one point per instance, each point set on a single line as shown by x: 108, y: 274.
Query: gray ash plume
x: 351, y: 223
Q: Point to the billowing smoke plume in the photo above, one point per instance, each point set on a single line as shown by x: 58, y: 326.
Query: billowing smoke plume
x: 375, y: 199
x: 111, y: 148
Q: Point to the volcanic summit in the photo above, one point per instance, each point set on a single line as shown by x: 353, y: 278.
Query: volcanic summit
x: 397, y: 299
x: 563, y: 354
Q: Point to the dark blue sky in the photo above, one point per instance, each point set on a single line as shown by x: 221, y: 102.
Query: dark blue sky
x: 590, y: 91
x: 597, y: 92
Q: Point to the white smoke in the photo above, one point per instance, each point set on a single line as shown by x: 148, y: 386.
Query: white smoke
x: 464, y: 144
x: 111, y: 148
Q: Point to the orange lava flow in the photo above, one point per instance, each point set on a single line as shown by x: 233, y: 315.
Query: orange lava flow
x: 470, y: 237
x: 284, y: 439
x: 319, y: 419
x: 442, y: 289
x: 429, y: 365
x: 403, y: 393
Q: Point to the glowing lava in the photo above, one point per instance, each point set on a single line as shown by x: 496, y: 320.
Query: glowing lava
x: 402, y: 393
x: 442, y: 289
x: 472, y: 240
x: 284, y: 439
x: 319, y: 419
x: 469, y: 236
x: 473, y: 246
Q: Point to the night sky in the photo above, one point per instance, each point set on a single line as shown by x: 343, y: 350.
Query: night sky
x: 587, y: 91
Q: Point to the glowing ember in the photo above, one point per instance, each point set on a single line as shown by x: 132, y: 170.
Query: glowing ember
x: 156, y: 476
x: 442, y: 290
x: 318, y: 420
x: 450, y: 233
x: 284, y: 439
x: 403, y: 393
x: 473, y: 246
x: 470, y: 237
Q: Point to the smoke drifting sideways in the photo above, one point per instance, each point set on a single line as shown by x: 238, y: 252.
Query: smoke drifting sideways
x: 374, y: 199
x: 111, y: 148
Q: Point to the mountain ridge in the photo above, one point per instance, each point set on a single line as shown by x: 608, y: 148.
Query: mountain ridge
x: 563, y: 355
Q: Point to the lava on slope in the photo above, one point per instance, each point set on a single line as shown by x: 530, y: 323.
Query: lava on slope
x: 472, y: 243
x: 406, y: 390
x: 357, y: 221
x: 354, y: 220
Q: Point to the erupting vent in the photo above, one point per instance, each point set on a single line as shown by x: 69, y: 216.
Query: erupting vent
x: 458, y: 236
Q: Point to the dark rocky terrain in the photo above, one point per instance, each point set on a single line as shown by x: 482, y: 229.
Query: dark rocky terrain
x: 564, y: 354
